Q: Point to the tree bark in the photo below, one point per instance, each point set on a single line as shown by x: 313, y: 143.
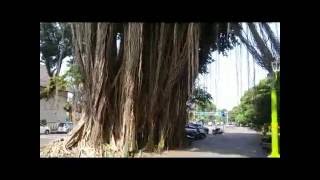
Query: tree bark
x: 135, y: 99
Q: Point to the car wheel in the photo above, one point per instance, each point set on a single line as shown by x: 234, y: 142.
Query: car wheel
x: 46, y: 132
x: 200, y: 136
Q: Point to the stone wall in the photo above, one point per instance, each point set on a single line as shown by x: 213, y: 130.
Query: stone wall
x: 52, y: 109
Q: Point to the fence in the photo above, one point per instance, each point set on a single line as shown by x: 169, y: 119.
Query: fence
x: 53, y: 126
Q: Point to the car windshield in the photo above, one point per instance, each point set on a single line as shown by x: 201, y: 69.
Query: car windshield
x: 61, y: 125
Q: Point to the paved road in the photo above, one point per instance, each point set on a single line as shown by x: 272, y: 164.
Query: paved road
x: 45, y: 139
x: 235, y: 142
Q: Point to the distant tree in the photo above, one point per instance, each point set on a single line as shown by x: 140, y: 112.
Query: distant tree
x: 203, y: 103
x: 202, y: 98
x: 264, y: 47
x: 55, y: 45
x: 255, y: 106
x: 74, y: 81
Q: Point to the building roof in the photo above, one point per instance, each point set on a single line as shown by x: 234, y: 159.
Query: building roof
x: 44, y: 77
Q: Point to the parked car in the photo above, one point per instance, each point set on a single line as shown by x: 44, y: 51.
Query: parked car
x: 192, y: 134
x: 201, y: 133
x: 44, y: 129
x: 65, y: 127
x: 202, y: 128
x: 205, y: 129
x: 217, y: 131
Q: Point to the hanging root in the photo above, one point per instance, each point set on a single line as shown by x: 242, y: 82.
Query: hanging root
x: 62, y: 147
x: 159, y: 59
x: 75, y: 145
x: 75, y: 134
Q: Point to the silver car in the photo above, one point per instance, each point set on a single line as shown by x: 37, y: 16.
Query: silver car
x: 65, y: 127
x: 44, y: 129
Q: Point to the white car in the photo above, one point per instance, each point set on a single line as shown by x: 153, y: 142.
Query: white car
x: 65, y: 127
x: 44, y: 129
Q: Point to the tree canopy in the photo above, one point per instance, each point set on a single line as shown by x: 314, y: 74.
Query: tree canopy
x: 215, y: 36
x: 255, y: 106
x: 200, y: 96
x: 55, y: 45
x: 202, y: 102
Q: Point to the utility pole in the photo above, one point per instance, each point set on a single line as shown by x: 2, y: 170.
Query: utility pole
x: 274, y: 114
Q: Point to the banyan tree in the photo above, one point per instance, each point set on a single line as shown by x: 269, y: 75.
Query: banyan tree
x: 137, y: 78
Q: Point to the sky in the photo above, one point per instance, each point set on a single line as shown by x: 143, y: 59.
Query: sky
x: 221, y: 81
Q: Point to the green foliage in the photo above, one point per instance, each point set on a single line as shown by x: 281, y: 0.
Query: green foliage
x: 73, y: 75
x: 255, y: 106
x: 218, y: 119
x: 215, y: 36
x: 61, y: 83
x: 206, y: 107
x: 233, y: 113
x: 67, y: 107
x: 55, y: 45
x: 56, y: 83
x: 202, y: 99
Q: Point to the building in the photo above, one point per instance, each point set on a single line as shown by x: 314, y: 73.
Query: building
x: 52, y: 109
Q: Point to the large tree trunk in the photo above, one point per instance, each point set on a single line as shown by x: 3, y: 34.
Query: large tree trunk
x: 134, y: 99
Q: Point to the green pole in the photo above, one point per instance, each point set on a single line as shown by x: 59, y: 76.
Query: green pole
x: 274, y: 123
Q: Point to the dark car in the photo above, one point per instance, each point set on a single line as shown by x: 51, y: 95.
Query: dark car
x: 204, y: 128
x: 201, y: 127
x: 200, y: 133
x: 192, y: 133
x: 217, y: 131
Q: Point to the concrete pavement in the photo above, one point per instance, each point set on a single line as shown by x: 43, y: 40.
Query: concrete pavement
x: 46, y: 139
